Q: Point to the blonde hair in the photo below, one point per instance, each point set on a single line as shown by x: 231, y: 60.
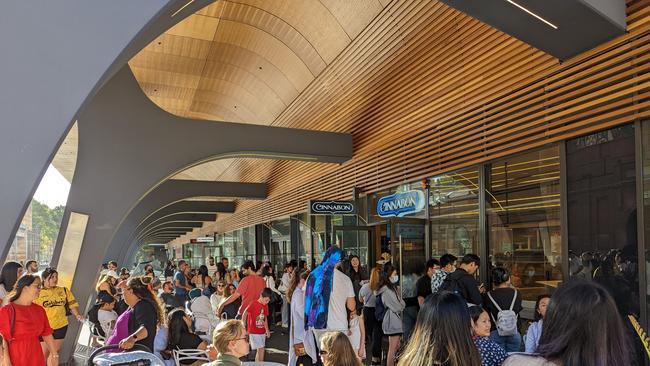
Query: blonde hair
x: 339, y: 350
x: 225, y: 333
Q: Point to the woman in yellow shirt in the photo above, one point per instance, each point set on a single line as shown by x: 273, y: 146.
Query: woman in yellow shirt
x: 53, y: 299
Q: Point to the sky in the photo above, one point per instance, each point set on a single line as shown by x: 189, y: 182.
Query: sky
x: 54, y: 188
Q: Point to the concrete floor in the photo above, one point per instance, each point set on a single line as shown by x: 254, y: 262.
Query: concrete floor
x: 276, y: 348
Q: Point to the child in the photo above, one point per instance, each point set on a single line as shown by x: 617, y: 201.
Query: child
x: 106, y: 315
x: 256, y: 319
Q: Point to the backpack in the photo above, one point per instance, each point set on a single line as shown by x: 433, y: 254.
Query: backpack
x: 506, y: 321
x: 380, y: 308
x: 451, y: 284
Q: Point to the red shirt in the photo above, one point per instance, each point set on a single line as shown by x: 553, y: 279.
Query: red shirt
x: 30, y: 322
x: 256, y: 318
x: 250, y: 289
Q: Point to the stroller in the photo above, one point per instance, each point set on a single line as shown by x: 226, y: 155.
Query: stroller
x: 139, y: 356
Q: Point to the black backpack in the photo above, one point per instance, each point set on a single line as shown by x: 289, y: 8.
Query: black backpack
x: 451, y: 284
x: 380, y: 308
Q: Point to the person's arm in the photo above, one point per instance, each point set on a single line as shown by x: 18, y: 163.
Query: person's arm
x: 6, y: 361
x: 420, y: 301
x: 232, y: 298
x: 74, y: 306
x: 361, y: 352
x: 54, y: 354
x: 266, y: 326
x: 129, y: 342
x: 203, y: 345
x: 244, y: 317
x: 531, y: 338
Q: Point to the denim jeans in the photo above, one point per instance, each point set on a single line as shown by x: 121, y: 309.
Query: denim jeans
x: 510, y: 343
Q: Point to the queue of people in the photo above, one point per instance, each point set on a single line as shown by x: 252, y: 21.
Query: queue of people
x: 329, y: 313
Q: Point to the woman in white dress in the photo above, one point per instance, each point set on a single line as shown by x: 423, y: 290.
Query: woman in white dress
x: 302, y: 349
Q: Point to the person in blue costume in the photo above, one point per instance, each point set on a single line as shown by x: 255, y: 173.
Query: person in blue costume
x: 329, y: 298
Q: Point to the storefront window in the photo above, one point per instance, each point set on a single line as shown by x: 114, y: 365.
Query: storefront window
x: 279, y: 248
x: 304, y: 237
x: 602, y: 216
x: 320, y: 238
x: 453, y: 211
x: 351, y: 241
x: 523, y: 212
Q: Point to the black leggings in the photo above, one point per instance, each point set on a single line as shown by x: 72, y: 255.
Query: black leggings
x: 373, y: 331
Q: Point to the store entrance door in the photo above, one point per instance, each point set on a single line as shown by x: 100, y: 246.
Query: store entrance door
x: 356, y: 240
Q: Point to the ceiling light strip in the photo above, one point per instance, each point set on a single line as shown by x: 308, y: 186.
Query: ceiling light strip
x: 183, y: 7
x: 533, y: 14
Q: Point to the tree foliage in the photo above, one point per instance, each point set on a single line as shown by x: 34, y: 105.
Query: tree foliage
x: 47, y: 220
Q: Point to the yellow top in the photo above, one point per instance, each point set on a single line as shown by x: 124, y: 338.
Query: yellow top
x: 53, y: 300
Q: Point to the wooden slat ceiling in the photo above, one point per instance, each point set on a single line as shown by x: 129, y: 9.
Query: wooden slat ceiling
x: 425, y: 89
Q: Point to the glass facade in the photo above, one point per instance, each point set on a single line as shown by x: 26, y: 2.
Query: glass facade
x: 523, y: 213
x: 278, y: 250
x: 565, y: 210
x: 602, y: 215
x: 454, y: 213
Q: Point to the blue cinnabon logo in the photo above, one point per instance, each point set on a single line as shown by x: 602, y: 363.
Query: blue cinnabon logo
x: 401, y: 204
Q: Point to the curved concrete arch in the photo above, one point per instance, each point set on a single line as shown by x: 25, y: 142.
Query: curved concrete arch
x: 167, y: 193
x: 189, y: 208
x: 178, y: 217
x: 128, y: 147
x: 102, y: 36
x: 167, y: 225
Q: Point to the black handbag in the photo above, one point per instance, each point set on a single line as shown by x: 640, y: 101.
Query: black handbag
x: 67, y: 305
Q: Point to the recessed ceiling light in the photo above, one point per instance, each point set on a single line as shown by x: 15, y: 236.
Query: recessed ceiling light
x: 533, y: 14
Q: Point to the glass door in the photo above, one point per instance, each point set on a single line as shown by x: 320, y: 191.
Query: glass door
x: 408, y: 252
x: 355, y: 240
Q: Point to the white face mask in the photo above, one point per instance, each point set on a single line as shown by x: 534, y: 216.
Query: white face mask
x: 394, y: 279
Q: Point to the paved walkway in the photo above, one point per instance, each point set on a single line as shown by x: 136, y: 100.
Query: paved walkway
x: 276, y: 348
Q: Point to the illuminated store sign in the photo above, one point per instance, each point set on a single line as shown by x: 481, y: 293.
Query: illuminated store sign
x: 331, y: 207
x: 401, y: 204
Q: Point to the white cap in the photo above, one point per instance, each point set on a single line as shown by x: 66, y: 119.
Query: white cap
x: 112, y: 274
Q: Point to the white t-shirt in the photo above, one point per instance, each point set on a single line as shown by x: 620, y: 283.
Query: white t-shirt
x: 211, y: 270
x: 215, y: 301
x: 342, y: 289
x: 106, y: 319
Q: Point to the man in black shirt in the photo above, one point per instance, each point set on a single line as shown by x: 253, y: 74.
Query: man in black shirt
x: 462, y: 280
x: 423, y: 285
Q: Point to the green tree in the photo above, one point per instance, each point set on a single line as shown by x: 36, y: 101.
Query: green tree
x: 47, y: 220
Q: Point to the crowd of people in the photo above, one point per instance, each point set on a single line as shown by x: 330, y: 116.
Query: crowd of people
x: 331, y: 314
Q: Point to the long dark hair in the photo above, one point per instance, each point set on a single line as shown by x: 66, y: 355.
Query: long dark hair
x: 177, y: 328
x: 22, y: 282
x: 384, y: 277
x: 141, y: 290
x: 442, y: 334
x: 582, y: 327
x: 9, y: 275
x: 203, y: 271
x: 295, y: 281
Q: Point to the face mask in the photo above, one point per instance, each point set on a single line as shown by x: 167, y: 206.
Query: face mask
x: 394, y: 279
